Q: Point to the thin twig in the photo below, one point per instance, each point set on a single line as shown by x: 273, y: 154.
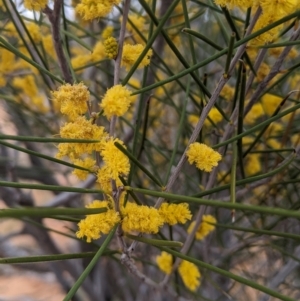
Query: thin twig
x: 54, y: 18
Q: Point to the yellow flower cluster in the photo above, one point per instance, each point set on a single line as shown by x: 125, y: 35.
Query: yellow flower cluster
x: 93, y: 9
x: 96, y: 224
x: 215, y: 116
x: 205, y: 227
x: 115, y: 162
x: 104, y: 180
x: 272, y: 10
x: 256, y: 112
x: 134, y: 218
x: 35, y: 4
x: 35, y: 32
x: 164, y: 262
x: 141, y: 218
x: 175, y: 213
x: 188, y: 271
x: 270, y: 103
x: 81, y: 128
x: 203, y: 156
x: 116, y: 101
x: 107, y: 32
x: 235, y: 3
x: 82, y: 57
x: 131, y: 53
x: 87, y: 163
x: 190, y: 275
x: 148, y: 219
x: 26, y: 83
x: 253, y: 164
x: 227, y: 92
x: 111, y: 47
x: 98, y: 52
x: 73, y: 103
x: 72, y: 99
x: 139, y: 22
x: 29, y: 92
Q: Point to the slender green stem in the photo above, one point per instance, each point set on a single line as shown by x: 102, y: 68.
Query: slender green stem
x: 229, y: 53
x: 30, y: 152
x: 202, y: 37
x: 46, y: 140
x: 48, y: 212
x: 91, y: 265
x: 233, y: 178
x: 260, y: 231
x: 156, y: 242
x: 48, y: 187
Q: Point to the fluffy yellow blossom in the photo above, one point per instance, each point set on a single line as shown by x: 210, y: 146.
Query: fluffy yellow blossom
x: 293, y: 53
x: 116, y: 101
x: 80, y: 58
x: 205, y: 227
x: 193, y: 119
x: 235, y: 3
x: 96, y: 224
x: 270, y: 103
x: 80, y: 61
x: 38, y: 102
x: 72, y: 99
x: 139, y: 23
x: 10, y: 30
x: 227, y: 92
x: 262, y: 72
x: 104, y: 179
x: 223, y: 177
x: 35, y: 4
x: 204, y: 157
x: 80, y: 129
x: 48, y: 45
x: 2, y: 81
x: 253, y: 165
x: 215, y: 116
x: 87, y: 163
x: 131, y: 53
x: 273, y: 143
x: 98, y: 53
x: 190, y: 275
x: 111, y: 47
x: 35, y: 32
x: 92, y: 9
x: 278, y: 8
x: 115, y: 161
x: 141, y: 218
x: 26, y: 84
x: 188, y: 271
x: 107, y: 32
x: 7, y: 61
x: 164, y: 262
x: 268, y: 36
x: 256, y: 112
x: 175, y: 213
